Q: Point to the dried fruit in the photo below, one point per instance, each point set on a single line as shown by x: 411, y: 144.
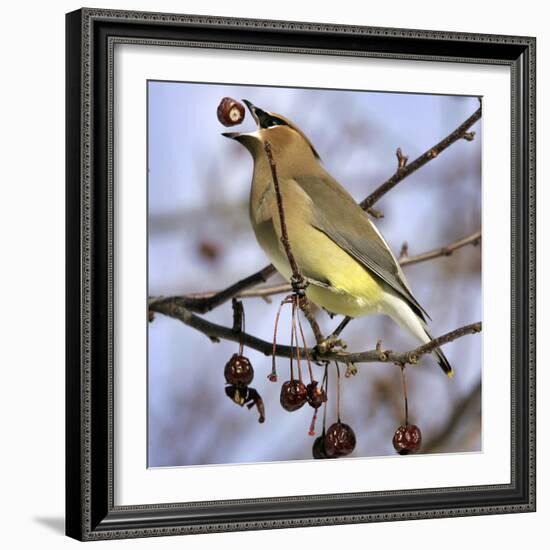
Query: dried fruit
x: 339, y: 440
x: 243, y: 395
x: 318, y: 449
x: 293, y: 395
x: 237, y: 394
x: 230, y: 112
x: 316, y: 396
x: 238, y: 370
x: 407, y: 439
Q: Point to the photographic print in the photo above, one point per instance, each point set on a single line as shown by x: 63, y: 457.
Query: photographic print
x: 296, y: 251
x: 314, y: 274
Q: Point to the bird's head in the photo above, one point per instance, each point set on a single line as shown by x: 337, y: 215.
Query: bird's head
x: 287, y: 140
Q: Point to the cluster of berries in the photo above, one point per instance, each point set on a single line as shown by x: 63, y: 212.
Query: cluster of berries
x: 338, y: 440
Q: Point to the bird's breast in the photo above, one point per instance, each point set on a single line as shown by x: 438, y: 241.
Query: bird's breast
x: 347, y: 287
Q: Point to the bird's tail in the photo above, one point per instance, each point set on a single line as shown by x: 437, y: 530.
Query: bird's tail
x: 404, y: 316
x: 442, y: 361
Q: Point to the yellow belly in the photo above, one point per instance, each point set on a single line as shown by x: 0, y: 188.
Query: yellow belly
x: 352, y: 289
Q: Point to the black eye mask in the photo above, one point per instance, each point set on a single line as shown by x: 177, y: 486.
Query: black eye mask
x: 267, y: 121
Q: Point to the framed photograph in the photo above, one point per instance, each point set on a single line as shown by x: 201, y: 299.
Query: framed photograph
x: 300, y: 274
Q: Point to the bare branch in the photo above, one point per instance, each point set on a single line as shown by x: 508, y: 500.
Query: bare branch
x: 403, y: 358
x: 473, y: 239
x: 298, y: 283
x: 404, y: 169
x: 203, y: 303
x: 172, y: 307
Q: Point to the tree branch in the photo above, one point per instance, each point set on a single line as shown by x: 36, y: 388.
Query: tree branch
x: 172, y: 307
x: 298, y: 281
x: 473, y: 239
x: 203, y: 303
x: 405, y: 169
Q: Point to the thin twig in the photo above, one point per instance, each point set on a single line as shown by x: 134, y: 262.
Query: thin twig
x: 405, y: 169
x: 305, y: 306
x: 473, y: 239
x: 211, y: 300
x: 298, y: 281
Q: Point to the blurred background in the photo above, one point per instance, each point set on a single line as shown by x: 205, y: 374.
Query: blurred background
x: 200, y: 239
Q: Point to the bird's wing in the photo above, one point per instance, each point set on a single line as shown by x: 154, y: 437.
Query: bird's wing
x: 351, y: 229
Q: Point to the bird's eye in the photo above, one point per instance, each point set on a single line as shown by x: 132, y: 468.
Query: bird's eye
x: 274, y: 121
x: 268, y: 120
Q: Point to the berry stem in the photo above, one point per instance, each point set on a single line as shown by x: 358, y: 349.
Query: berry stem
x: 238, y: 322
x: 295, y: 322
x: 313, y: 421
x: 325, y: 384
x: 306, y: 351
x: 273, y: 376
x: 338, y: 394
x: 404, y: 383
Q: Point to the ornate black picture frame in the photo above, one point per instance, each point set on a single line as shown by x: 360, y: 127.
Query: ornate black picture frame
x: 90, y: 510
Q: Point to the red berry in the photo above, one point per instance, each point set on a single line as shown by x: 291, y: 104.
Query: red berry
x: 407, y: 439
x: 230, y: 112
x: 318, y: 449
x: 238, y: 370
x: 316, y: 396
x: 293, y: 395
x: 339, y: 440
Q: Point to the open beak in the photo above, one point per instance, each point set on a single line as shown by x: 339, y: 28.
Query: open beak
x: 252, y: 108
x: 231, y: 135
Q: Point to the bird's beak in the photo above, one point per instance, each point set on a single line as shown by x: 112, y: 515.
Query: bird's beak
x: 255, y: 112
x: 231, y: 135
x: 262, y: 118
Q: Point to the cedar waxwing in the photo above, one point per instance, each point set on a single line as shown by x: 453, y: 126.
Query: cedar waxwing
x: 350, y: 268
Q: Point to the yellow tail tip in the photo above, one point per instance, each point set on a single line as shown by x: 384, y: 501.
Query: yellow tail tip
x: 451, y: 373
